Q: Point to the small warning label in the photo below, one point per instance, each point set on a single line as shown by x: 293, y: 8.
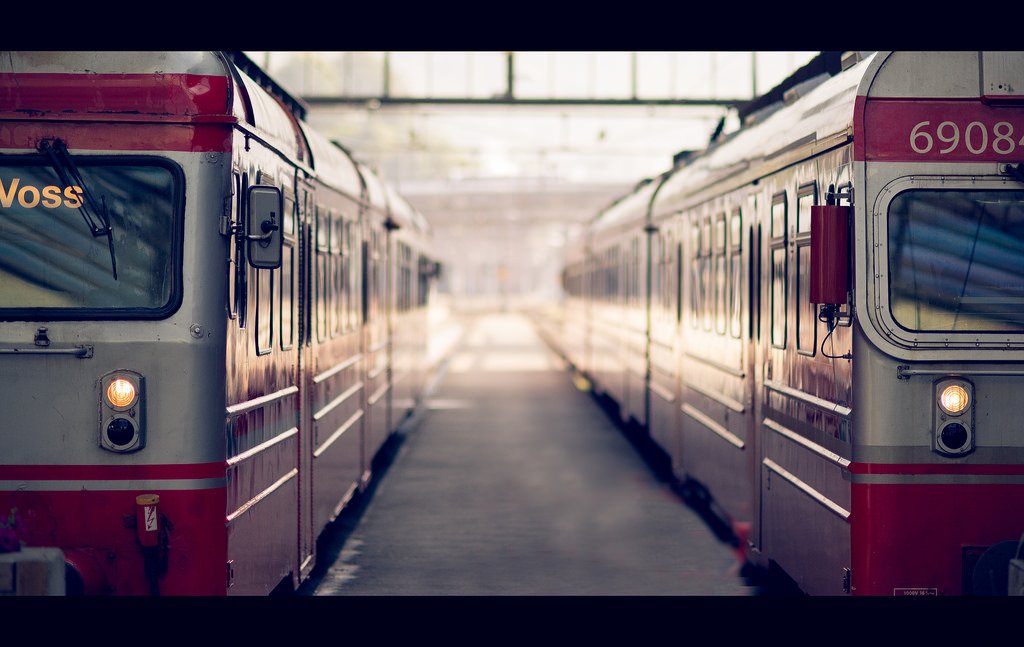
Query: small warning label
x: 150, y: 512
x: 914, y: 592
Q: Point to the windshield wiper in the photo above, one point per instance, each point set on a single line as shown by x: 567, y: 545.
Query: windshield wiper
x: 61, y: 160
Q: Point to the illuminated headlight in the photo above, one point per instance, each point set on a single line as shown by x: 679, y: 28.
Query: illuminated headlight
x: 954, y: 399
x: 121, y: 393
x: 122, y: 412
x: 953, y: 430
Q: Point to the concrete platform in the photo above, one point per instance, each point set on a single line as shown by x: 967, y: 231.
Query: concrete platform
x: 514, y: 482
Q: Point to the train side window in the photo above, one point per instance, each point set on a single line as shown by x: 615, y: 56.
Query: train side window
x: 695, y: 276
x: 806, y: 197
x: 409, y: 286
x: 736, y: 274
x: 399, y: 279
x: 678, y: 276
x: 659, y: 278
x: 322, y: 284
x: 779, y: 215
x: 264, y: 311
x: 778, y: 270
x: 287, y: 293
x: 377, y: 293
x: 806, y: 322
x: 369, y: 267
x: 343, y: 254
x: 423, y: 278
x: 288, y: 273
x: 366, y: 270
x: 720, y: 275
x: 288, y: 228
x: 406, y: 278
x: 614, y: 271
x: 333, y: 278
x: 706, y: 279
x: 667, y: 245
x: 350, y: 268
x: 634, y: 264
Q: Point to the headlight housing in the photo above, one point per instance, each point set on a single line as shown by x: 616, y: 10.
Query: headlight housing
x: 953, y: 428
x: 122, y: 411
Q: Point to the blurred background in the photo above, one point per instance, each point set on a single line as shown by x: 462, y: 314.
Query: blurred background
x: 507, y: 153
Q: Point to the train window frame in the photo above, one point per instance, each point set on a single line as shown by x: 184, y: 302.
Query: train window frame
x: 776, y: 232
x: 264, y: 347
x: 288, y: 227
x: 779, y: 280
x: 287, y: 340
x: 679, y: 281
x: 719, y: 238
x: 930, y: 342
x: 291, y: 209
x: 175, y: 254
x: 736, y: 291
x: 337, y: 293
x: 805, y: 311
x: 290, y: 255
x: 707, y: 277
x: 351, y: 270
x: 695, y: 274
x: 321, y: 263
x: 805, y: 190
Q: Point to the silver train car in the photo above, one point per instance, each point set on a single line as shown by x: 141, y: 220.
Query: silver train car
x: 820, y: 320
x: 211, y: 319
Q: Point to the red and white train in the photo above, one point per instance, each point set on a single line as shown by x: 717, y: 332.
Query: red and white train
x: 820, y: 319
x: 211, y: 319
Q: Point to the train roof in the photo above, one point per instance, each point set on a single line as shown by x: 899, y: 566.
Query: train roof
x: 187, y: 87
x: 404, y: 214
x: 333, y: 164
x: 822, y: 115
x: 376, y: 192
x: 629, y: 207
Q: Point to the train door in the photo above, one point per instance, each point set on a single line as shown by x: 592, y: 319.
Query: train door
x: 755, y: 361
x: 306, y: 534
x: 392, y: 258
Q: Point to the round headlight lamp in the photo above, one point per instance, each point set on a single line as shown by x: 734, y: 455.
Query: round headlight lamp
x: 121, y: 393
x: 122, y: 411
x: 954, y: 400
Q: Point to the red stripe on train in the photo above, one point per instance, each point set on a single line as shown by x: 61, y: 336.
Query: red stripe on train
x: 950, y: 469
x: 111, y: 472
x: 95, y: 528
x: 157, y: 94
x: 911, y: 537
x: 79, y: 136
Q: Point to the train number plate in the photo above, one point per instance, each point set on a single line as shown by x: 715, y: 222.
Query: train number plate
x: 943, y: 131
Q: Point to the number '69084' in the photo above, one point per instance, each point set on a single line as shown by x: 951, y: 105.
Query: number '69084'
x: 975, y: 137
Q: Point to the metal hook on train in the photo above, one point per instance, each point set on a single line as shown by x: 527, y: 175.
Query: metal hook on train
x: 1016, y: 172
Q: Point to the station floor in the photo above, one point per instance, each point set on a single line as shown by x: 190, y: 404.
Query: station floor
x: 511, y: 480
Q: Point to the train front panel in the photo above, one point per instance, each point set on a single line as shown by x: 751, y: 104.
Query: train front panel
x: 938, y: 467
x: 112, y: 333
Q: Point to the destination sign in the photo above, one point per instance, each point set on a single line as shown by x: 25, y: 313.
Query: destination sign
x: 30, y: 196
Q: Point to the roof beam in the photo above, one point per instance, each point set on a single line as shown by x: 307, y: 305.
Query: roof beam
x: 375, y: 102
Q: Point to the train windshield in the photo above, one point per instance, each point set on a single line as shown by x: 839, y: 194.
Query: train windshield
x: 956, y: 260
x: 55, y: 264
